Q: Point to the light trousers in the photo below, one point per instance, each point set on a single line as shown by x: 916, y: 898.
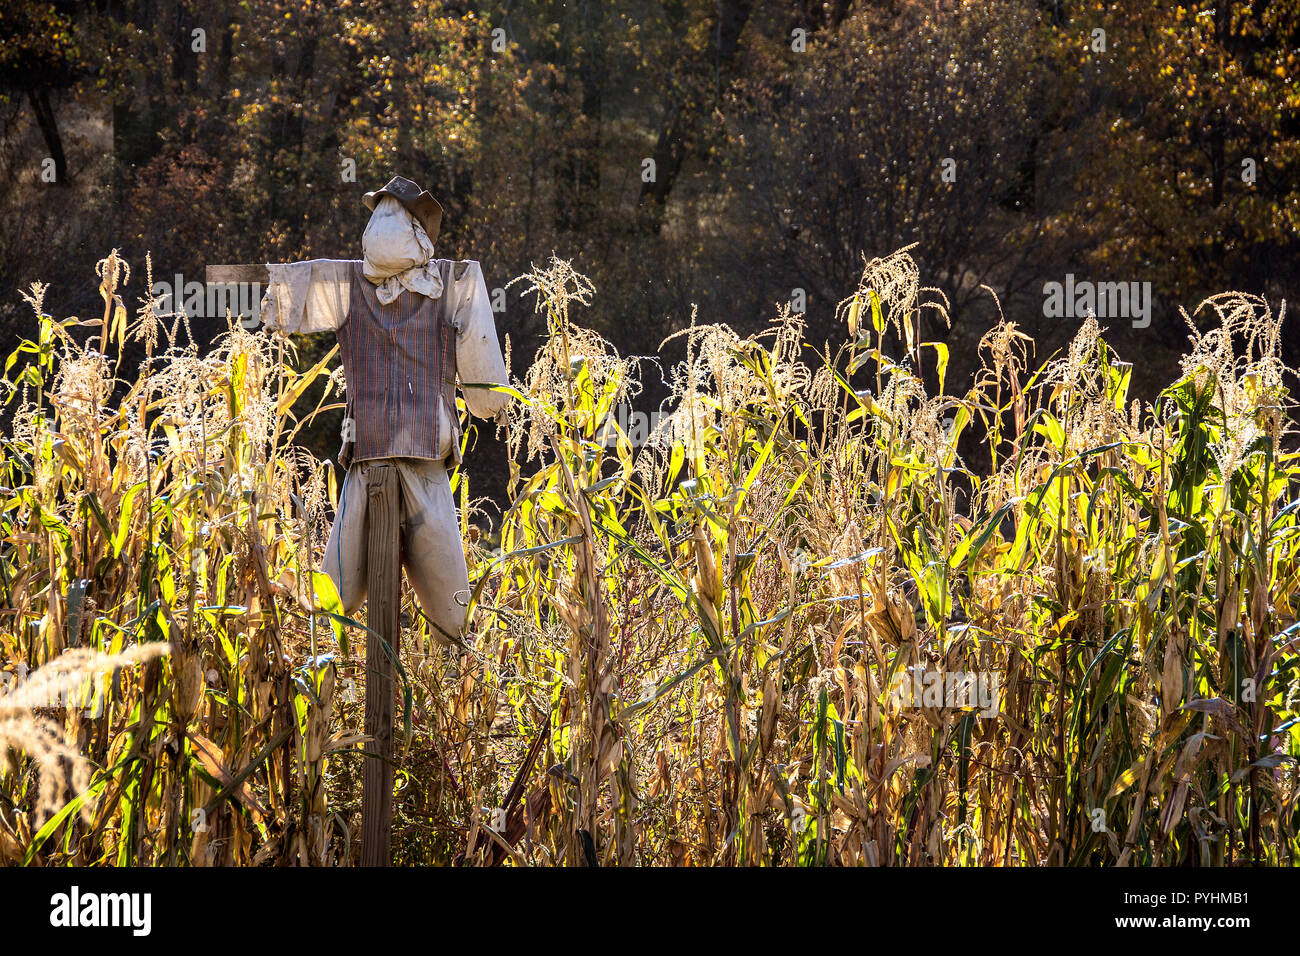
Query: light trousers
x: 432, y: 553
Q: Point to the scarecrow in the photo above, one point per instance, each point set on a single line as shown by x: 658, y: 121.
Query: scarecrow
x: 410, y: 328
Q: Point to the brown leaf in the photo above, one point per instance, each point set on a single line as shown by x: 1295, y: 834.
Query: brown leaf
x: 210, y: 756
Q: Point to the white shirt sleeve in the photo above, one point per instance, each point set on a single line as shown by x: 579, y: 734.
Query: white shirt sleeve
x: 309, y: 296
x: 478, y: 352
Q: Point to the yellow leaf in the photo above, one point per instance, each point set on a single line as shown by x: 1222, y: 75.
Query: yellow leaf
x: 855, y: 312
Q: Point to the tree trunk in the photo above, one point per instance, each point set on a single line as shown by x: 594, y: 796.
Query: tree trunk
x: 681, y: 125
x: 45, y: 119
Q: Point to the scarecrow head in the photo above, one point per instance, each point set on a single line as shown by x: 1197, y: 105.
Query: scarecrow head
x: 397, y: 245
x: 418, y: 202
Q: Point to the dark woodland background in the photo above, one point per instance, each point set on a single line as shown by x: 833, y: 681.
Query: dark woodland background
x: 777, y: 168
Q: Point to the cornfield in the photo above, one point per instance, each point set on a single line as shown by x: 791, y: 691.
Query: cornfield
x: 732, y: 641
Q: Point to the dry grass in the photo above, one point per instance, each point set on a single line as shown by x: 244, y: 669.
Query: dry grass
x: 696, y: 651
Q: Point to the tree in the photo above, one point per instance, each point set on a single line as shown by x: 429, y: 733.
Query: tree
x: 894, y: 129
x: 1188, y: 119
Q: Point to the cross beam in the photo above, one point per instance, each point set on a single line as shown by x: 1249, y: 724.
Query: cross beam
x: 383, y: 612
x: 231, y: 274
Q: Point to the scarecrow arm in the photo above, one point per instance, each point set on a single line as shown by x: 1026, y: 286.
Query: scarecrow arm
x: 478, y: 351
x: 306, y: 297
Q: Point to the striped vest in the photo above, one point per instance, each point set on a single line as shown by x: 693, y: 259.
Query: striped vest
x: 400, y: 362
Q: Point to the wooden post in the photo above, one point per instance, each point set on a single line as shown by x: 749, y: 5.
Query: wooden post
x: 383, y: 616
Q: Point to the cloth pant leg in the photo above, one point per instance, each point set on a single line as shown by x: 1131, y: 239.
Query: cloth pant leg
x: 345, y: 552
x: 432, y: 551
